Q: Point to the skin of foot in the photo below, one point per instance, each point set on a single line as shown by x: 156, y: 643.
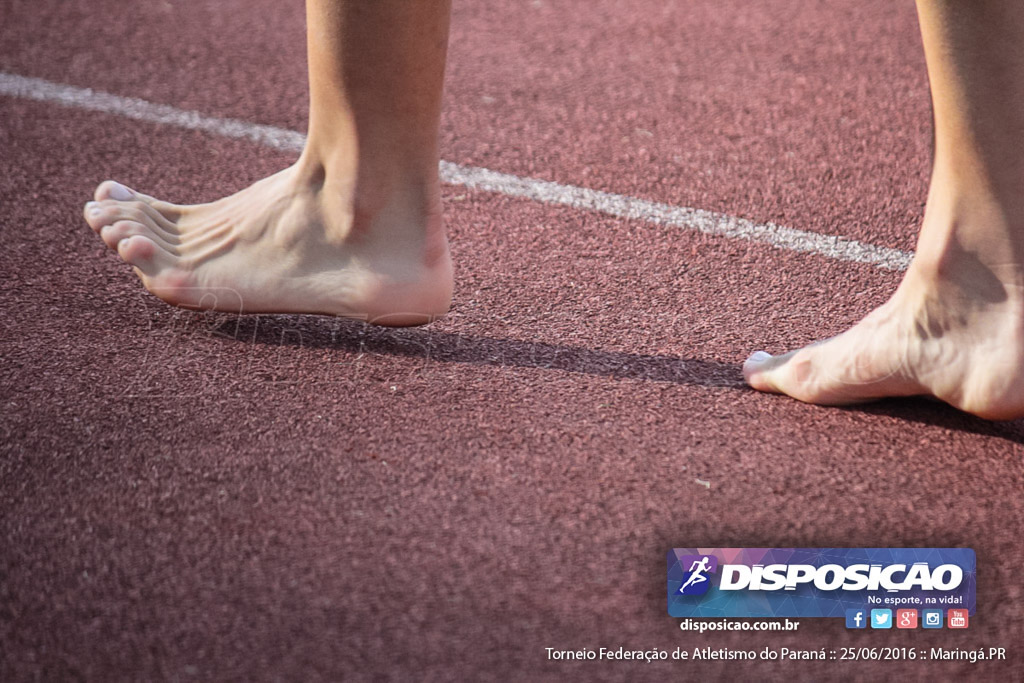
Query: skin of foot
x: 354, y: 228
x: 954, y: 329
x: 300, y: 241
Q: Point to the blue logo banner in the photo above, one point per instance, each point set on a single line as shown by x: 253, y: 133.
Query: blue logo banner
x: 817, y: 582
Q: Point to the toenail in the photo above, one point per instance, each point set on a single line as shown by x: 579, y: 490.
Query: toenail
x: 120, y: 192
x: 759, y: 357
x: 93, y: 210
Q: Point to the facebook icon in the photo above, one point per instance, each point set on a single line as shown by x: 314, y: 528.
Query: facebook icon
x: 856, y: 618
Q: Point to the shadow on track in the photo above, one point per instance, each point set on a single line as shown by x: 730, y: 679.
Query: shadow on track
x: 457, y: 347
x: 935, y: 413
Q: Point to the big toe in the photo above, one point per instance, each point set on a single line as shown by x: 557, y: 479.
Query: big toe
x: 776, y: 374
x: 828, y: 373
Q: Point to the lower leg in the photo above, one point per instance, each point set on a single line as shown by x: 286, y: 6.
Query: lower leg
x: 954, y: 329
x: 354, y: 227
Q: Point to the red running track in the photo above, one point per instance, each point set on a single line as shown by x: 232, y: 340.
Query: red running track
x: 197, y: 495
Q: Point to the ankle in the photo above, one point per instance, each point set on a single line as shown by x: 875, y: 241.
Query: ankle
x: 373, y: 177
x: 392, y: 210
x: 968, y: 234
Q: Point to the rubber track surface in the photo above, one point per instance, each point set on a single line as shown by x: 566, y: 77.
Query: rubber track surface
x: 201, y: 495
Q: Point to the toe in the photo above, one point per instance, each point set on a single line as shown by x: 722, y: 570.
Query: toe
x: 142, y: 210
x: 110, y: 189
x: 97, y: 216
x: 803, y: 374
x: 761, y: 371
x: 115, y: 191
x: 145, y: 255
x: 756, y: 371
x: 833, y: 372
x: 118, y: 230
x: 101, y: 214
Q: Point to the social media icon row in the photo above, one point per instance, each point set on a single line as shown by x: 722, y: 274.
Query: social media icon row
x: 905, y: 618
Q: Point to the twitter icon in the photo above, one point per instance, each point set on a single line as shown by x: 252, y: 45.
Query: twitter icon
x: 881, y: 618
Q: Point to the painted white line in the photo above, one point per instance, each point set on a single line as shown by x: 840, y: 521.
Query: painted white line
x: 141, y: 110
x: 709, y: 222
x: 620, y: 206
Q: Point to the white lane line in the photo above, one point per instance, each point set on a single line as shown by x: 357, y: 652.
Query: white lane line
x: 620, y: 206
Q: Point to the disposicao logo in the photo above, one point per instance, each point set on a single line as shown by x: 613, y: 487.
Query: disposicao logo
x: 695, y: 581
x: 817, y: 582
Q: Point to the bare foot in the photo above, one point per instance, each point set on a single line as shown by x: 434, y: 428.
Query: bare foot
x: 955, y: 327
x: 296, y: 242
x: 953, y: 330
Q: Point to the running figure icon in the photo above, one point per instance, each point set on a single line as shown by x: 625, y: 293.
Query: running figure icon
x: 697, y: 573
